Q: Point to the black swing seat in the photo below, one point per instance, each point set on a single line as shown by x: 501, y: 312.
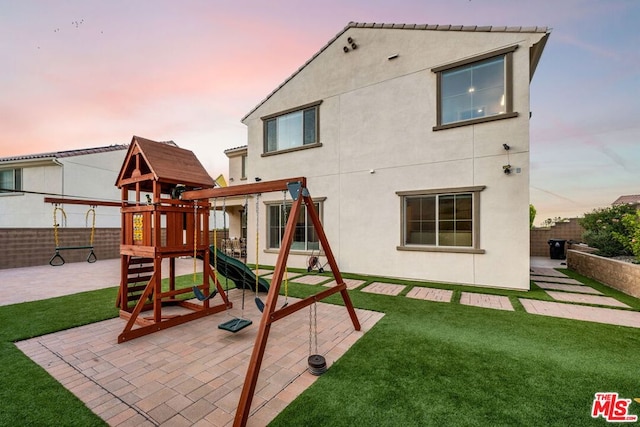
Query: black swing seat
x: 259, y: 304
x: 235, y: 325
x: 200, y: 296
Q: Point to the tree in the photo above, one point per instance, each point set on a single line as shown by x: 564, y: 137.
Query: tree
x: 630, y: 241
x: 549, y: 222
x: 532, y: 215
x: 605, y: 230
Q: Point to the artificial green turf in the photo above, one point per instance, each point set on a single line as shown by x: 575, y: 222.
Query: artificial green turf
x: 29, y: 396
x: 424, y: 363
x: 431, y: 363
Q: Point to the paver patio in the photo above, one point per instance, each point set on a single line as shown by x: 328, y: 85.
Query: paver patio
x: 191, y: 374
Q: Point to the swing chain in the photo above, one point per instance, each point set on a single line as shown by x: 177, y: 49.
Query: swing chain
x: 315, y: 325
x: 310, y: 331
x: 257, y: 239
x: 215, y: 240
x: 286, y: 270
x: 92, y: 210
x: 313, y: 328
x: 195, y: 238
x: 56, y: 237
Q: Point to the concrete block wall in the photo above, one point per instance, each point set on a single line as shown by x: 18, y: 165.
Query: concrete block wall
x: 619, y: 275
x: 26, y: 247
x: 565, y: 230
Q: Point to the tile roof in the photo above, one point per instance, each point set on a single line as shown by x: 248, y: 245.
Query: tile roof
x: 633, y: 199
x: 427, y: 27
x: 235, y: 149
x: 66, y: 153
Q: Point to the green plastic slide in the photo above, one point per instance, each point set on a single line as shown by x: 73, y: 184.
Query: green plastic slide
x: 239, y: 272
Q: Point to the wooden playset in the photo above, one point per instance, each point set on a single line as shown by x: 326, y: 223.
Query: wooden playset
x: 165, y: 214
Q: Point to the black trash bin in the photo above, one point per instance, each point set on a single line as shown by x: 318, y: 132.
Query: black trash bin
x: 556, y: 248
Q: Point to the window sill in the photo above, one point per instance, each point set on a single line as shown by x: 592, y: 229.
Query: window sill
x: 290, y: 150
x: 11, y: 193
x: 449, y: 249
x: 476, y: 121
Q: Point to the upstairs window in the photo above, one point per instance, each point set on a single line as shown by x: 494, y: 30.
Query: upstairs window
x: 291, y: 130
x: 10, y: 180
x: 475, y: 90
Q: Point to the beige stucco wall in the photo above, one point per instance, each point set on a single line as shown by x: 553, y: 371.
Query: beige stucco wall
x: 377, y: 115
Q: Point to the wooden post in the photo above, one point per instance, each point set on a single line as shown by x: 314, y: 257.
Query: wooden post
x: 251, y: 379
x: 270, y: 314
x: 322, y: 237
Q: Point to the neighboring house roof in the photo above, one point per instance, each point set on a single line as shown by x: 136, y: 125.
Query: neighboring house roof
x: 536, y: 51
x: 166, y: 162
x: 633, y: 199
x: 235, y: 150
x: 66, y: 153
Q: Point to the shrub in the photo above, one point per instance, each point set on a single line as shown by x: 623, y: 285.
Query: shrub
x: 631, y: 241
x: 606, y: 231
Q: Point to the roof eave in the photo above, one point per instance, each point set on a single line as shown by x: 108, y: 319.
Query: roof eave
x: 44, y: 161
x: 535, y: 53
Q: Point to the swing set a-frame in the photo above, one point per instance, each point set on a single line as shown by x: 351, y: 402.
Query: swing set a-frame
x: 297, y: 188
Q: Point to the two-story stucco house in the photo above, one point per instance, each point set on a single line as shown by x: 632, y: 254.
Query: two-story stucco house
x: 83, y: 173
x: 415, y: 143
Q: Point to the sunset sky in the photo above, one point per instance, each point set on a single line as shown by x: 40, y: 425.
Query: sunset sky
x: 88, y: 73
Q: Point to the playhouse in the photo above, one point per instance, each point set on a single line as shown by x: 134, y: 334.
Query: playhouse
x: 157, y: 225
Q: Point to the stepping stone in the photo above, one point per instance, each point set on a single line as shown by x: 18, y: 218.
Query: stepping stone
x: 262, y: 271
x: 569, y: 288
x: 586, y: 299
x: 546, y: 271
x: 566, y: 281
x: 496, y: 302
x: 384, y: 288
x: 291, y: 276
x: 351, y: 283
x: 430, y: 294
x: 609, y: 316
x: 310, y: 279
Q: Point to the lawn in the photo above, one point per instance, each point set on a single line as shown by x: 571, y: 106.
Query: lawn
x: 424, y: 363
